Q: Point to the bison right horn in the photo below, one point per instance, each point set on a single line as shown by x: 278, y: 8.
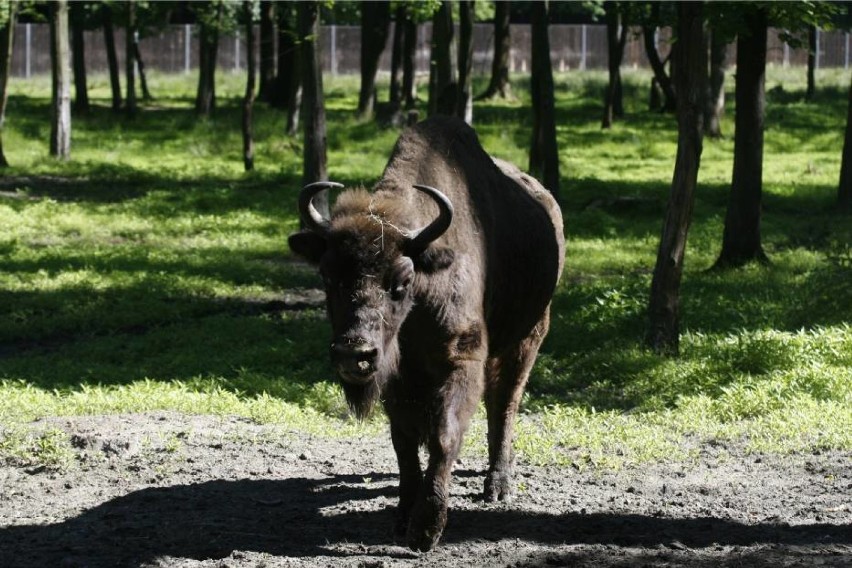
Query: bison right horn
x: 310, y: 216
x: 419, y: 239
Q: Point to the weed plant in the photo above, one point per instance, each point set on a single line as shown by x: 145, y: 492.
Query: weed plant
x: 147, y: 273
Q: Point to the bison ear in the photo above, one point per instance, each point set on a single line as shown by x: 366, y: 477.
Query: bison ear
x: 434, y: 259
x: 308, y: 245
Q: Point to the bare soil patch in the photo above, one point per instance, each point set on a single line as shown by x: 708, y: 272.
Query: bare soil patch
x: 170, y: 490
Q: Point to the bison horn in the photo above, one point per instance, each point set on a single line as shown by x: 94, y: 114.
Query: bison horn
x: 419, y: 239
x: 310, y: 216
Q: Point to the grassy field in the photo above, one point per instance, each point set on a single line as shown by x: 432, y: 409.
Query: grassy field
x: 146, y: 274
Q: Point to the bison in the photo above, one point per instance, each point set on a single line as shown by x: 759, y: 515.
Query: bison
x: 438, y: 286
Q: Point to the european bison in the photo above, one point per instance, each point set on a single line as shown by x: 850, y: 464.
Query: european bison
x: 437, y: 297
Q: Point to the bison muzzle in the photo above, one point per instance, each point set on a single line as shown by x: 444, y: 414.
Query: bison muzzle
x: 438, y: 286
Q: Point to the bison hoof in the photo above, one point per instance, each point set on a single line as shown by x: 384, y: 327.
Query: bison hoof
x: 426, y: 525
x: 498, y: 486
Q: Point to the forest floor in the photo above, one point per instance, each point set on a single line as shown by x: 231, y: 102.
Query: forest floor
x: 174, y: 490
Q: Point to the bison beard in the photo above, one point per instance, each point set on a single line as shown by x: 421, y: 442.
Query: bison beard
x: 438, y: 295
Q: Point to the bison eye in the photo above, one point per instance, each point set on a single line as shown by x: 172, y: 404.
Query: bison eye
x: 399, y: 287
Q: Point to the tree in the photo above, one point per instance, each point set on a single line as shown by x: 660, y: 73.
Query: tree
x: 714, y: 104
x: 442, y: 73
x: 140, y: 66
x: 844, y: 189
x: 616, y: 38
x: 499, y: 84
x: 267, y: 51
x: 288, y: 81
x: 544, y: 157
x: 649, y: 37
x: 395, y: 95
x: 248, y: 99
x: 464, y: 95
x: 210, y: 16
x: 812, y: 52
x: 313, y: 109
x: 60, y: 125
x: 375, y: 24
x: 741, y: 239
x: 8, y: 11
x: 129, y: 60
x: 409, y: 51
x: 81, y: 92
x: 664, y: 306
x: 112, y: 58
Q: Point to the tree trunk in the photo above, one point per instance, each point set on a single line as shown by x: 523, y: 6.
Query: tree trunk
x: 442, y: 75
x: 741, y: 239
x: 544, y: 157
x: 395, y: 95
x: 664, y: 306
x: 313, y: 109
x: 409, y: 51
x: 137, y: 57
x: 288, y: 82
x: 844, y: 190
x: 81, y: 92
x: 375, y: 23
x: 267, y: 51
x: 60, y: 129
x: 7, y: 38
x: 663, y: 80
x: 130, y: 60
x: 112, y: 58
x: 616, y: 38
x: 205, y: 100
x: 464, y: 95
x: 715, y: 102
x: 812, y: 49
x: 248, y: 100
x: 499, y: 84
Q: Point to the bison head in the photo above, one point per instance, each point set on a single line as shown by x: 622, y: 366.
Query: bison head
x: 369, y: 262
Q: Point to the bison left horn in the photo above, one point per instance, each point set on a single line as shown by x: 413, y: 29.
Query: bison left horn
x: 419, y: 239
x: 310, y: 216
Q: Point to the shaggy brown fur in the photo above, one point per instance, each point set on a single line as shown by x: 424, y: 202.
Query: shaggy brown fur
x: 461, y: 320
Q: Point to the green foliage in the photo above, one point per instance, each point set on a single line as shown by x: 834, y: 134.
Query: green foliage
x: 150, y: 273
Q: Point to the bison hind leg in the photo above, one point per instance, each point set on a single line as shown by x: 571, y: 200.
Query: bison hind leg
x: 506, y: 377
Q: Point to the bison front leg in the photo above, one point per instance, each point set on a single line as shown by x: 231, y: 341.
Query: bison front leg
x: 406, y: 446
x: 456, y: 403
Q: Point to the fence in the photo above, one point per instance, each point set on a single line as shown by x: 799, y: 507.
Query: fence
x: 174, y: 49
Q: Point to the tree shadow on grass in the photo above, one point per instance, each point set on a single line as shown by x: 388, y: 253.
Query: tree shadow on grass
x: 318, y: 518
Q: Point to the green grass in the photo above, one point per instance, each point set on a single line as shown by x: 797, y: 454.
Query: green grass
x: 143, y: 274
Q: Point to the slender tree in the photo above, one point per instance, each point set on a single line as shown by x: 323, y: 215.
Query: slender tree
x: 130, y: 106
x: 78, y: 58
x: 395, y: 95
x: 60, y: 130
x: 499, y: 85
x: 248, y: 99
x: 288, y: 81
x: 616, y: 38
x: 844, y: 189
x: 267, y: 51
x: 140, y: 67
x: 661, y: 80
x: 664, y: 306
x: 714, y: 104
x: 313, y: 109
x: 409, y: 51
x: 112, y: 58
x: 741, y: 238
x: 8, y: 12
x: 211, y: 22
x: 812, y: 52
x: 544, y: 156
x: 464, y: 93
x: 442, y: 72
x: 375, y: 24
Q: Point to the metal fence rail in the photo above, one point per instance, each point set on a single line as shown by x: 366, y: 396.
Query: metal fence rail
x: 174, y: 49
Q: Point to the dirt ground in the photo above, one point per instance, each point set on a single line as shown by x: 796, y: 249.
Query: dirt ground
x: 169, y: 490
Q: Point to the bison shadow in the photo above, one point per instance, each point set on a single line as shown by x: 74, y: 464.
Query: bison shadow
x: 301, y: 517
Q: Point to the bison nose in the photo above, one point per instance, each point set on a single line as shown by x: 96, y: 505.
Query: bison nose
x: 355, y: 362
